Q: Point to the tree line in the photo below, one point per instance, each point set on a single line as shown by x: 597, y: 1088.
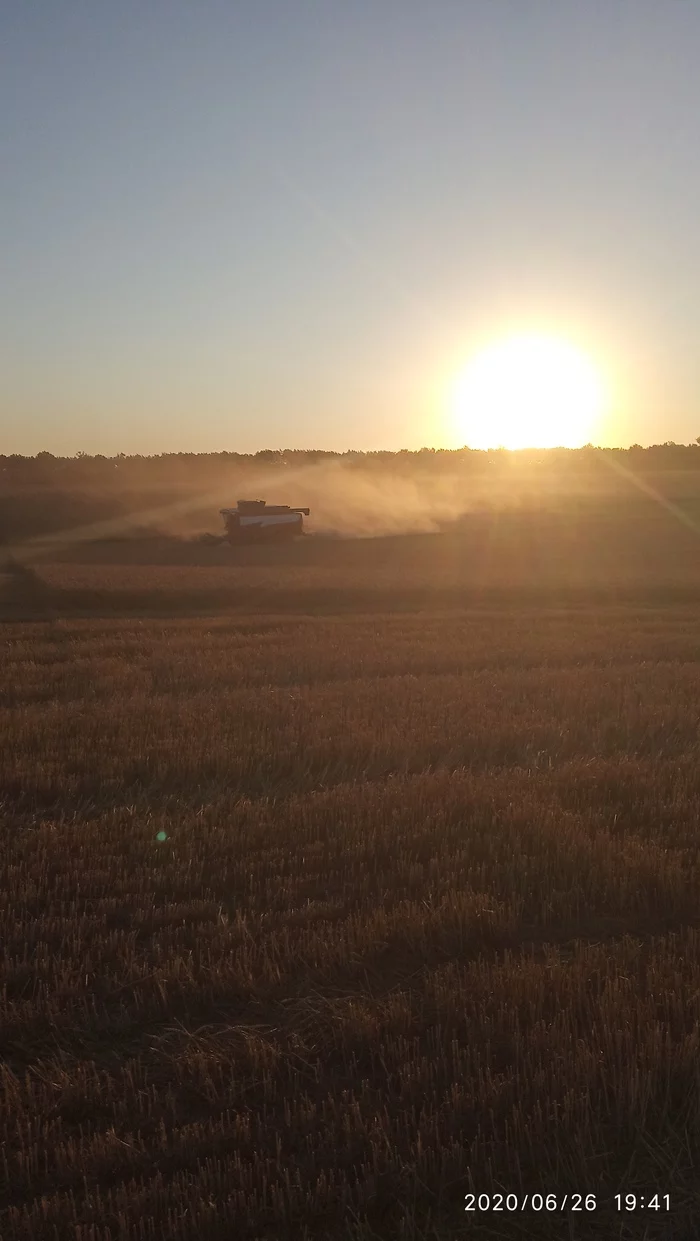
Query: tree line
x: 192, y: 469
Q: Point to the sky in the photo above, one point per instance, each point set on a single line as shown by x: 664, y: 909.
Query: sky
x: 242, y: 224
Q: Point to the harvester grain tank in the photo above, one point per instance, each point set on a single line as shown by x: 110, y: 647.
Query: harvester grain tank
x: 254, y: 521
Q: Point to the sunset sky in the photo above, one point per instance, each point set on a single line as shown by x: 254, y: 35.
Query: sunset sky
x: 243, y: 224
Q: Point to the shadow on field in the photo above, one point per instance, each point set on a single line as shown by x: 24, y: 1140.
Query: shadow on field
x: 23, y: 594
x: 28, y: 599
x: 207, y: 551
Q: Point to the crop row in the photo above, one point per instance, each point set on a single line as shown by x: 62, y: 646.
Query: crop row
x: 308, y: 929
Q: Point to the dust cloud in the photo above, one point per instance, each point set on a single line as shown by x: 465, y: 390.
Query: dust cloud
x: 355, y: 503
x: 413, y: 494
x: 344, y: 503
x: 350, y: 503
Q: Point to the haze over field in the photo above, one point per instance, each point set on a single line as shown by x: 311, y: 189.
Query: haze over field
x: 63, y: 500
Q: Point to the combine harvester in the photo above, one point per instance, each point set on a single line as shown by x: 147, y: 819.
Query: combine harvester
x: 254, y: 521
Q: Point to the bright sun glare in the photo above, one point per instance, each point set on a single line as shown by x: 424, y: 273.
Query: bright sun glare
x: 528, y: 392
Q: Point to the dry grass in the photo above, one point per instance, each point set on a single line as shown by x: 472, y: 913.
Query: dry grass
x: 314, y: 923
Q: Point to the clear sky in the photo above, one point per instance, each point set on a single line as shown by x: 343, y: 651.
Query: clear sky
x: 243, y: 224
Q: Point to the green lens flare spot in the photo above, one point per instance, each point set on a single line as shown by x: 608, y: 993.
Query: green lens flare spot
x: 162, y: 836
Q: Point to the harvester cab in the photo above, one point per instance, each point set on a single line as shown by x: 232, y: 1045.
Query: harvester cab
x: 254, y: 521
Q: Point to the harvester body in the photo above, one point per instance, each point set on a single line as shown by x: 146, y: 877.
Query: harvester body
x: 254, y: 521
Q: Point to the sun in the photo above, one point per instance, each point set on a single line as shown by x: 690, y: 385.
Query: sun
x: 528, y: 391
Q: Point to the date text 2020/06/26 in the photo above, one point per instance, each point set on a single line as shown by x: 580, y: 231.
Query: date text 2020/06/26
x: 564, y: 1202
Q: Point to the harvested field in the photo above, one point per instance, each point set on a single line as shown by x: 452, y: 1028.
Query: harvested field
x: 641, y: 555
x: 315, y: 924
